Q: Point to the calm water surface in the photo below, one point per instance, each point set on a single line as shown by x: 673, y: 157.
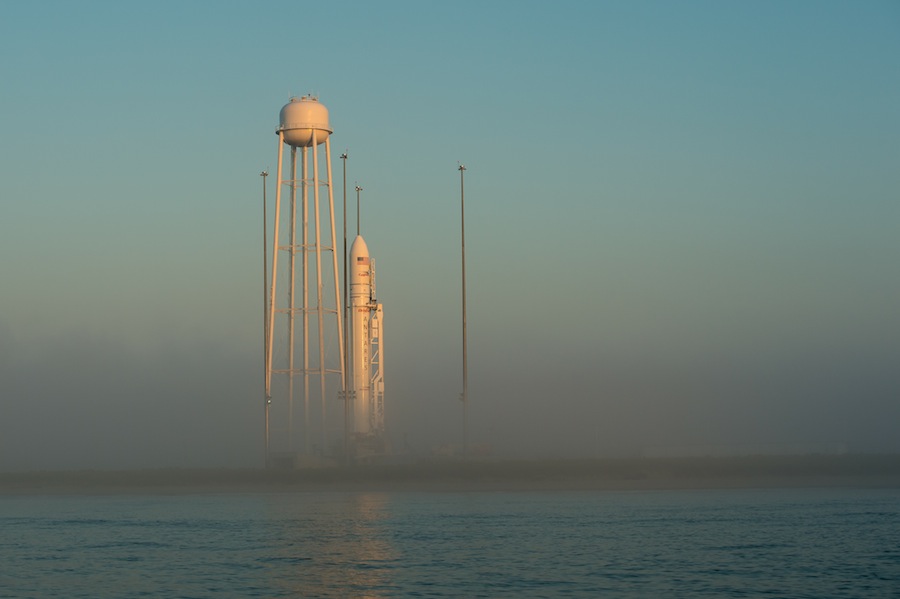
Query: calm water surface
x: 780, y: 543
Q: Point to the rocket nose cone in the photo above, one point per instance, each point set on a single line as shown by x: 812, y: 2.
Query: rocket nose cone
x: 359, y: 249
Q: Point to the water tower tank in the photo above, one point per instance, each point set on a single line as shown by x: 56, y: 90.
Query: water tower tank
x: 304, y: 122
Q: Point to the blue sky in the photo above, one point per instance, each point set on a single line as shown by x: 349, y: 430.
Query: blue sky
x: 681, y: 220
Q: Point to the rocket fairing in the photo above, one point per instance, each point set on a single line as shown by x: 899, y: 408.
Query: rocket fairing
x: 365, y: 345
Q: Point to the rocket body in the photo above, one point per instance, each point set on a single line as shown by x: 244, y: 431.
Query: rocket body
x: 365, y: 344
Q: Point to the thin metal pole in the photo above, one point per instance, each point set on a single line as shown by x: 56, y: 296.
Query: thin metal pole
x: 334, y: 264
x: 346, y: 314
x: 278, y: 182
x: 305, y: 253
x: 358, y: 189
x: 465, y: 393
x: 292, y: 298
x: 266, y: 397
x: 320, y: 321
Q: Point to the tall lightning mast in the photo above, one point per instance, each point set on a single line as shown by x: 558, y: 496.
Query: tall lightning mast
x: 266, y: 398
x: 346, y: 314
x: 465, y: 362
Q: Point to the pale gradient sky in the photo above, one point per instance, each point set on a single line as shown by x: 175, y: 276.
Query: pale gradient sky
x: 682, y: 220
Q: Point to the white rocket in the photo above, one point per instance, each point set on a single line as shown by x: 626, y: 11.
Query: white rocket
x: 366, y: 350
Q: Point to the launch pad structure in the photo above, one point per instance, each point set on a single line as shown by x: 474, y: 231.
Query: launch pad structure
x: 307, y: 352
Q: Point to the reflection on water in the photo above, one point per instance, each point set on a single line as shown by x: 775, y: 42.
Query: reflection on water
x: 786, y: 543
x: 336, y: 541
x: 373, y: 554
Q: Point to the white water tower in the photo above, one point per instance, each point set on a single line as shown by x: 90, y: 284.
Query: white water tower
x: 305, y: 352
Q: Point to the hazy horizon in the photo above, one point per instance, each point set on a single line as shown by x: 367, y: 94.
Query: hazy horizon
x: 681, y: 222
